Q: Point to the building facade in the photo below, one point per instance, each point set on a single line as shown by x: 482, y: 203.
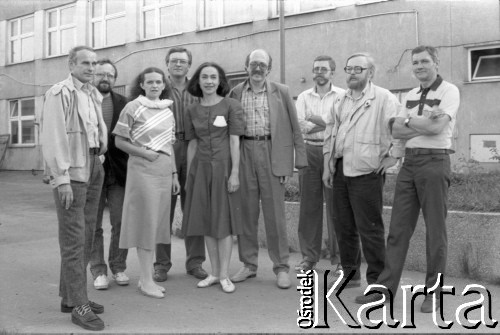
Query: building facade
x: 36, y: 36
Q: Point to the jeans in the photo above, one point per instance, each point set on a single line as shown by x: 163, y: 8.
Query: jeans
x: 423, y: 182
x: 112, y: 194
x: 358, y: 217
x: 76, y: 232
x: 312, y: 193
x: 195, y: 245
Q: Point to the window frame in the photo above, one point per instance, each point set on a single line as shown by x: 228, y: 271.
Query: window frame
x: 19, y: 119
x: 157, y: 27
x: 103, y: 19
x: 19, y: 37
x: 58, y: 29
x: 274, y: 6
x: 220, y: 17
x: 471, y: 73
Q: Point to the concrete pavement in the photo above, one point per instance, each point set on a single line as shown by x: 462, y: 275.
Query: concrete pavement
x: 29, y: 275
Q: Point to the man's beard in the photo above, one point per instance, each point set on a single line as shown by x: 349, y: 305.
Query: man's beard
x: 104, y: 87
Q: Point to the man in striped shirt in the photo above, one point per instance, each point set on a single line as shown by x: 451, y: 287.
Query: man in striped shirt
x: 312, y: 105
x: 178, y: 61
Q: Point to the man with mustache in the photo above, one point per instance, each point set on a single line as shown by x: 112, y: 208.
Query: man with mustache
x: 73, y: 136
x: 426, y: 123
x: 113, y: 188
x: 312, y: 105
x: 272, y: 132
x: 357, y: 156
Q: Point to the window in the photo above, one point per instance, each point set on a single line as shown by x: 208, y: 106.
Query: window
x: 21, y: 35
x: 234, y: 79
x: 61, y: 30
x: 161, y: 18
x: 299, y: 6
x: 485, y: 63
x: 217, y: 13
x: 22, y: 121
x: 107, y: 23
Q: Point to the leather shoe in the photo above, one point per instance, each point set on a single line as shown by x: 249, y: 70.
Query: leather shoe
x: 160, y: 275
x: 305, y: 265
x: 209, y: 281
x: 427, y: 304
x: 198, y: 272
x: 95, y: 307
x: 85, y: 318
x: 365, y: 299
x: 227, y: 286
x: 283, y: 280
x: 243, y: 274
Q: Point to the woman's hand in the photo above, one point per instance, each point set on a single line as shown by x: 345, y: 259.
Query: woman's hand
x: 176, y: 187
x: 150, y: 155
x: 233, y: 183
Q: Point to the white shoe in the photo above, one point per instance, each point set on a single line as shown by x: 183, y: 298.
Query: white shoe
x: 227, y: 286
x: 121, y: 278
x: 101, y: 282
x: 209, y: 281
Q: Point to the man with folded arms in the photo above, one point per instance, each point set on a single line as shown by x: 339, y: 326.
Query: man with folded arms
x: 426, y: 123
x: 73, y: 136
x: 312, y: 105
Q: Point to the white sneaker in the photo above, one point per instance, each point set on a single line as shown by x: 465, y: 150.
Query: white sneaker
x: 101, y: 282
x: 121, y: 278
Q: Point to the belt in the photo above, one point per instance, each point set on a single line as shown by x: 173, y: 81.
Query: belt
x: 181, y: 136
x: 317, y: 142
x: 94, y: 151
x: 257, y: 138
x: 425, y: 151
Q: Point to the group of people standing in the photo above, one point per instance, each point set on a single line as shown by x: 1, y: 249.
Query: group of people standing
x: 228, y: 153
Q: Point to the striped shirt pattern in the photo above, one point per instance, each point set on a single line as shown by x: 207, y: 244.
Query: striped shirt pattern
x: 256, y: 111
x: 153, y: 128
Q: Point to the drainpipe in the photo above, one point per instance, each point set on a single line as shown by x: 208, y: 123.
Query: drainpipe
x: 282, y: 41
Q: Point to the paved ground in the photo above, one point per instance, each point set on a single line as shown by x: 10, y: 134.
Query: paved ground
x: 29, y: 273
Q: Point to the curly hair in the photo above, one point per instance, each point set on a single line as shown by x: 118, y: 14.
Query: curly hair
x: 194, y: 83
x: 137, y: 90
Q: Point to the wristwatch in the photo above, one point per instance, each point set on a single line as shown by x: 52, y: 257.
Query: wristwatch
x: 407, y: 122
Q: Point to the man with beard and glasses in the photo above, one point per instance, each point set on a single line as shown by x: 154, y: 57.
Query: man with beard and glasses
x: 357, y: 155
x: 113, y: 189
x: 272, y: 134
x: 312, y: 106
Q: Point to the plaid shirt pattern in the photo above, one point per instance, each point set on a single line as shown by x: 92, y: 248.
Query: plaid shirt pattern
x: 181, y: 100
x: 256, y: 111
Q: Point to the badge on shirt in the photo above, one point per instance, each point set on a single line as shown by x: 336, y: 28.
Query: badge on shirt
x: 220, y: 121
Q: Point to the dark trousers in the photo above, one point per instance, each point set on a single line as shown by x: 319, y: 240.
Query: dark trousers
x: 76, y: 233
x: 358, y: 217
x: 195, y: 245
x: 112, y: 195
x: 312, y: 194
x: 423, y: 182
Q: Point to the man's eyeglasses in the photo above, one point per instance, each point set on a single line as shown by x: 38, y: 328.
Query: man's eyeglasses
x: 321, y: 70
x: 255, y: 65
x: 354, y: 69
x: 179, y: 61
x: 102, y: 75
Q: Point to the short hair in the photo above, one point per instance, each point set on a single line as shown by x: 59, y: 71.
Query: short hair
x: 270, y: 65
x: 181, y: 50
x: 431, y: 50
x: 368, y: 57
x: 137, y: 90
x: 103, y: 61
x: 194, y: 83
x: 73, y: 51
x: 330, y: 60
